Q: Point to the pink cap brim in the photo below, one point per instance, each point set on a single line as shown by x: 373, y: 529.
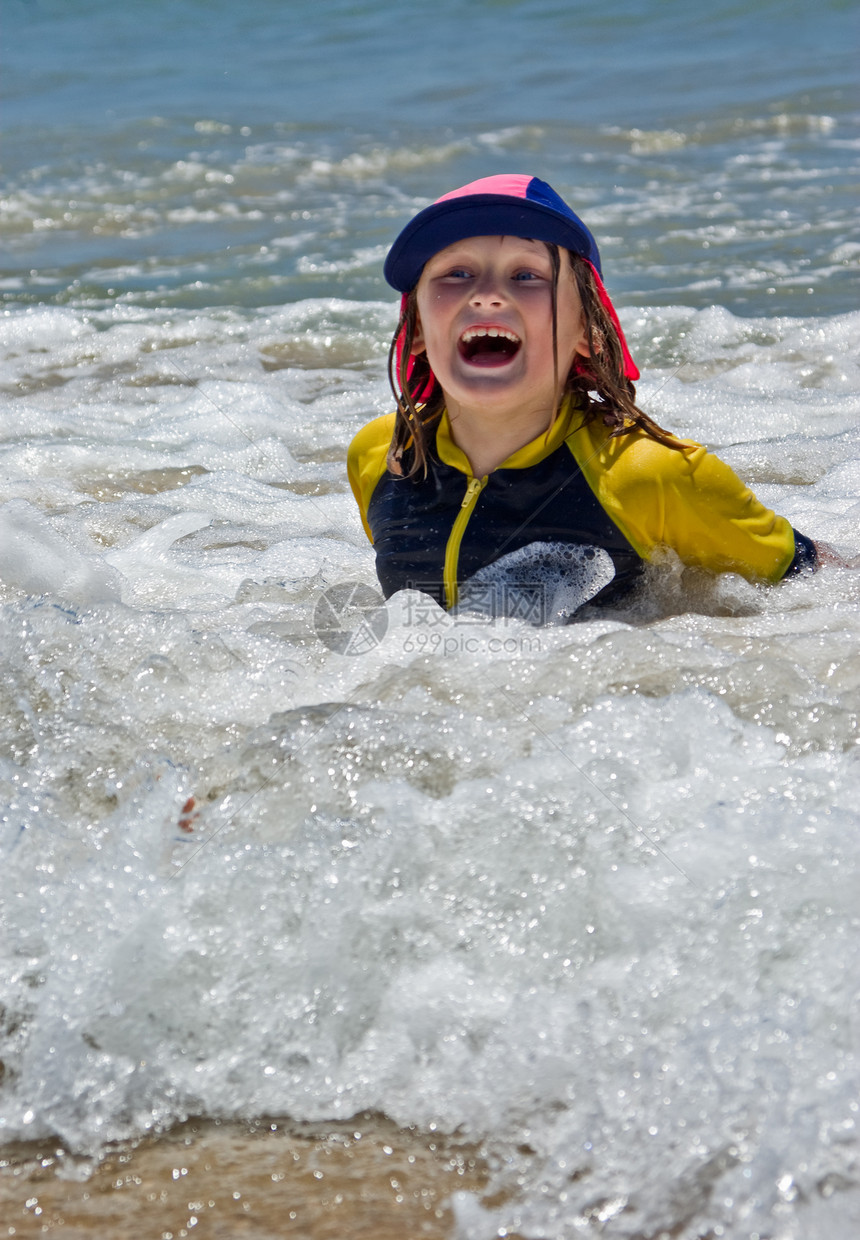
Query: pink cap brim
x: 631, y: 370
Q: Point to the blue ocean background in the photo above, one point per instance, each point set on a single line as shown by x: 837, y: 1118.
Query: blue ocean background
x: 586, y: 897
x: 271, y: 150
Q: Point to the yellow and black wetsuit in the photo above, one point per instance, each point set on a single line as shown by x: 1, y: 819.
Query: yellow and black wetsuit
x: 574, y: 486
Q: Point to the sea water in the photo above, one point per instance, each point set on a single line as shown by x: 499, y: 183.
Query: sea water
x: 586, y: 894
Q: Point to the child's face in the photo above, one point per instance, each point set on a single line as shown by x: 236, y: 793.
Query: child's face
x: 485, y: 320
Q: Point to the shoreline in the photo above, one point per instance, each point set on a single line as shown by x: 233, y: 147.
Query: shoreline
x: 363, y: 1178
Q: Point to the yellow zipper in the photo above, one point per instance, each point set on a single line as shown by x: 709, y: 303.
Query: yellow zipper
x: 458, y: 529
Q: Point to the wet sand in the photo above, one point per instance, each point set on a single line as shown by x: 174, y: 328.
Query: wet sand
x: 362, y: 1180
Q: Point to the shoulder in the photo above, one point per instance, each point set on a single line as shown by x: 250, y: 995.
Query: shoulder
x: 375, y: 435
x: 367, y: 456
x: 690, y: 472
x: 635, y: 458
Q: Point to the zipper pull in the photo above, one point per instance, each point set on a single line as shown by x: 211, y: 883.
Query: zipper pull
x: 474, y: 485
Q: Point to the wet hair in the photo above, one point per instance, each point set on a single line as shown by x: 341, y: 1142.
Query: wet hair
x: 417, y: 392
x: 597, y: 382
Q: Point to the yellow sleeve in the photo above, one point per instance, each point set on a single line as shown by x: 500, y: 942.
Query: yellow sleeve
x: 688, y: 500
x: 366, y: 462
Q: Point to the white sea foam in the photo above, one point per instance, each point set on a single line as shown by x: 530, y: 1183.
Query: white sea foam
x: 588, y: 892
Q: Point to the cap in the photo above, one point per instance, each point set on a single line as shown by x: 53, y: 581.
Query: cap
x: 509, y: 205
x: 500, y: 206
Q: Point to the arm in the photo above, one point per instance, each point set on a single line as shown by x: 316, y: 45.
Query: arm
x: 692, y: 502
x: 366, y: 462
x: 825, y: 554
x: 806, y: 555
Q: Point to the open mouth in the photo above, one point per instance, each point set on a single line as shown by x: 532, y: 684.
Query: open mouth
x: 488, y: 346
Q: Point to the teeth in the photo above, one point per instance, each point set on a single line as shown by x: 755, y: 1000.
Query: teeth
x: 472, y: 333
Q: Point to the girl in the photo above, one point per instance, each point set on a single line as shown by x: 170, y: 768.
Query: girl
x: 517, y: 474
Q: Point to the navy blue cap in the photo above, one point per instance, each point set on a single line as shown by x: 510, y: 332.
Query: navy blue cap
x: 499, y: 206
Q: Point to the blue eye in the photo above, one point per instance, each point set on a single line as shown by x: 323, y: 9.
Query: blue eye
x: 454, y: 274
x: 528, y: 275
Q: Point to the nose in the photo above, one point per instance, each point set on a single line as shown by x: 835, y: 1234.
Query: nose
x: 487, y: 290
